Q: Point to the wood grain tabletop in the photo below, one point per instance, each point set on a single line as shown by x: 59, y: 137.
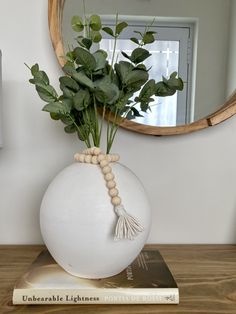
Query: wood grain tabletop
x: 205, y: 274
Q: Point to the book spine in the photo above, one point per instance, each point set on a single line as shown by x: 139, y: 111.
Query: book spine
x: 106, y: 296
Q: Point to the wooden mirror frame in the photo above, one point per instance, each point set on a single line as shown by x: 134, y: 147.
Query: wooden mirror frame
x: 55, y: 11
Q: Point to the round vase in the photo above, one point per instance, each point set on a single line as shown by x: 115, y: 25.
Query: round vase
x: 77, y: 220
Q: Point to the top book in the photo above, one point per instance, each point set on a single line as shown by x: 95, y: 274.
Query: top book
x: 146, y: 280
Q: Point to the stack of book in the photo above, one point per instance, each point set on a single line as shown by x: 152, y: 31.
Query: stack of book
x: 146, y: 280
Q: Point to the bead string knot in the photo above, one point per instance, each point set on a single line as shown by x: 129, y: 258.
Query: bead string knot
x: 127, y: 226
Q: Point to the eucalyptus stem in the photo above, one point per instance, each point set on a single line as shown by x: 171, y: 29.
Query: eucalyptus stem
x: 102, y: 121
x: 98, y: 134
x: 86, y: 139
x: 86, y: 117
x: 114, y: 48
x: 86, y: 28
x: 112, y: 139
x: 112, y: 131
x: 108, y: 131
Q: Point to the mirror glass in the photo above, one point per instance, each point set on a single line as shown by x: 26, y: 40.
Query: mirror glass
x: 193, y: 37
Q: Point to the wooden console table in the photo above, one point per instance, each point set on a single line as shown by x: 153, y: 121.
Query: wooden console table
x: 206, y: 276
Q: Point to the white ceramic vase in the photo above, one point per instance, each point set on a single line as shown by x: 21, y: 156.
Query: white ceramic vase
x: 77, y: 220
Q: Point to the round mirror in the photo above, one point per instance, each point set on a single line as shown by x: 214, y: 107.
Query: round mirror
x: 196, y: 38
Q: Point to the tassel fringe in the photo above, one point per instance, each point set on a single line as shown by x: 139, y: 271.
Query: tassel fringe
x: 127, y: 226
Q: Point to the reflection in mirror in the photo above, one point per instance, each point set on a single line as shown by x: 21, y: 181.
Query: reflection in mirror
x: 190, y: 39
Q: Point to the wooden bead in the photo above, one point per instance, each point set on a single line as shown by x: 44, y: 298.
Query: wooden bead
x: 116, y: 200
x: 96, y: 151
x: 94, y: 160
x: 85, y: 151
x: 81, y: 157
x: 108, y: 158
x: 116, y: 157
x: 88, y: 159
x: 110, y: 184
x: 100, y: 157
x: 91, y: 150
x: 76, y: 157
x: 104, y: 163
x: 113, y: 192
x: 109, y: 176
x: 106, y: 169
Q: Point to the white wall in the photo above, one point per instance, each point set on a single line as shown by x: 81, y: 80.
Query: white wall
x: 190, y: 179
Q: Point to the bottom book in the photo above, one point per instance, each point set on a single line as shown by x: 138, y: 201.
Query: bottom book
x: 147, y: 280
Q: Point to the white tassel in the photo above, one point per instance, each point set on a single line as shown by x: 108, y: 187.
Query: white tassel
x: 127, y: 226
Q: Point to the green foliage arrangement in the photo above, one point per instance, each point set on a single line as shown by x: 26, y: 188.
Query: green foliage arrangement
x: 92, y: 88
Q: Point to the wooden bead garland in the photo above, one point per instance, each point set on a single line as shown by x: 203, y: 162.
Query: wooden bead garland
x: 127, y: 226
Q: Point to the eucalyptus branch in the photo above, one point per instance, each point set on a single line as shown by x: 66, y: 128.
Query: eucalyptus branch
x: 114, y: 47
x: 86, y: 139
x: 89, y: 81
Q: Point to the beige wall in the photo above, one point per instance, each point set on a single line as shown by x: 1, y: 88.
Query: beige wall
x: 212, y: 41
x: 190, y: 179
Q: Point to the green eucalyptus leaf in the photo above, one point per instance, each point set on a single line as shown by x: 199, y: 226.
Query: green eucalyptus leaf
x: 151, y: 32
x: 41, y: 78
x: 106, y: 92
x: 168, y: 87
x: 68, y: 103
x: 108, y: 30
x: 136, y: 112
x: 120, y: 27
x: 81, y: 99
x: 139, y: 55
x: 135, y: 40
x: 70, y: 129
x: 125, y: 55
x: 141, y: 67
x: 80, y: 77
x: 96, y: 36
x: 147, y: 91
x: 100, y: 57
x: 65, y: 119
x: 46, y: 92
x: 136, y: 78
x: 32, y: 81
x: 77, y: 24
x: 85, y: 58
x: 70, y: 56
x: 148, y: 38
x: 123, y: 68
x: 95, y: 22
x: 55, y: 116
x: 130, y: 115
x: 144, y: 106
x: 175, y: 82
x: 57, y: 107
x: 67, y: 81
x: 34, y: 69
x: 87, y: 43
x: 163, y: 90
x: 137, y: 32
x: 123, y: 101
x: 67, y: 92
